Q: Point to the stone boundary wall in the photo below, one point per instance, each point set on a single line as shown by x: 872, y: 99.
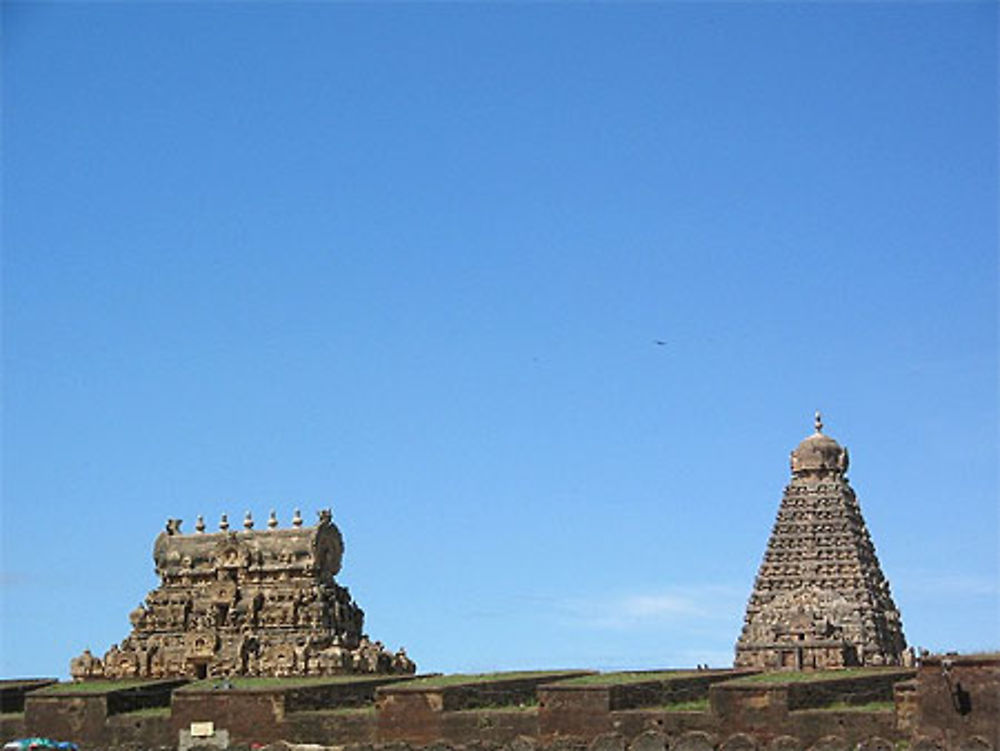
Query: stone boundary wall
x: 812, y: 725
x: 12, y: 692
x: 148, y: 696
x: 416, y: 713
x: 357, y: 693
x: 768, y: 709
x: 575, y: 711
x: 84, y: 714
x: 12, y: 726
x: 904, y: 699
x: 131, y: 732
x: 569, y: 709
x: 859, y: 690
x: 668, y: 690
x: 958, y: 699
x: 250, y: 716
x: 951, y: 705
x: 331, y: 726
x: 632, y: 723
x: 264, y: 714
x: 488, y: 693
x: 69, y: 717
x: 485, y: 727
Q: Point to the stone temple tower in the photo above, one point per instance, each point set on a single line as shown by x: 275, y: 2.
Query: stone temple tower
x: 250, y: 602
x: 820, y: 599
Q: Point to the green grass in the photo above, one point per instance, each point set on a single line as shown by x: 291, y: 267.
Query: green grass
x: 695, y: 705
x: 783, y: 676
x: 338, y: 711
x: 244, y: 683
x: 92, y: 687
x: 527, y: 706
x: 461, y: 679
x: 872, y: 706
x: 624, y: 679
x: 148, y: 712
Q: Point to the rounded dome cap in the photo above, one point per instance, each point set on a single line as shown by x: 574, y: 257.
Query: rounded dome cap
x: 819, y: 453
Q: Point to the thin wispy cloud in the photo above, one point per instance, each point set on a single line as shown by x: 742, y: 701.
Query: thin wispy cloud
x: 949, y: 585
x: 660, y: 606
x: 633, y: 610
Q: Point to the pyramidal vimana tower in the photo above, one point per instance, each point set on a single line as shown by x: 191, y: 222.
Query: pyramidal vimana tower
x: 820, y: 599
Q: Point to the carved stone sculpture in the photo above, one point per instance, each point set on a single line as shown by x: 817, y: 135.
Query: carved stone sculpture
x: 820, y: 599
x: 252, y: 602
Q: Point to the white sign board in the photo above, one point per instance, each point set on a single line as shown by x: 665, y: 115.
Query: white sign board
x: 202, y: 729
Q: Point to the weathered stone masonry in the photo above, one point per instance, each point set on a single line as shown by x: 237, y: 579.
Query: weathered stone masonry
x: 820, y: 599
x: 259, y: 603
x: 950, y: 703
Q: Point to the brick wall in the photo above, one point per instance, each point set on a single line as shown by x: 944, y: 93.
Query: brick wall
x: 576, y: 711
x: 12, y: 692
x: 953, y: 704
x: 479, y: 726
x: 359, y: 693
x: 958, y: 698
x: 249, y: 716
x: 857, y: 690
x: 330, y: 727
x: 417, y: 715
x: 138, y: 732
x: 67, y: 717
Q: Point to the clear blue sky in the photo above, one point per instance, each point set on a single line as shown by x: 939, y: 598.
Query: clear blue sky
x: 410, y: 261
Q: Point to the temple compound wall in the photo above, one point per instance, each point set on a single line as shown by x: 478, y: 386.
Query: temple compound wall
x: 246, y: 603
x: 947, y: 703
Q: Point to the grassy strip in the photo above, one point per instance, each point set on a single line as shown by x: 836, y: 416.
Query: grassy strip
x: 92, y: 687
x: 780, y: 677
x: 461, y: 679
x: 872, y: 706
x: 624, y: 679
x: 509, y: 709
x: 254, y: 682
x: 528, y: 706
x: 336, y: 711
x: 148, y: 712
x: 695, y: 705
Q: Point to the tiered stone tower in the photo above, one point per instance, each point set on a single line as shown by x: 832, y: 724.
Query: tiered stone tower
x: 820, y: 599
x: 248, y: 602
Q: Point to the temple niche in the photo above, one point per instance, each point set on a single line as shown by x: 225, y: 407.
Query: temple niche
x: 820, y: 599
x: 246, y: 603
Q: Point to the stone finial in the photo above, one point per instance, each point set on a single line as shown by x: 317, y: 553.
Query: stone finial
x: 297, y: 518
x: 224, y: 523
x: 818, y: 422
x: 199, y: 526
x: 248, y: 521
x: 272, y: 520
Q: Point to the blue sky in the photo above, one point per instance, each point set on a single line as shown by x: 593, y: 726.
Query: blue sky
x: 410, y: 261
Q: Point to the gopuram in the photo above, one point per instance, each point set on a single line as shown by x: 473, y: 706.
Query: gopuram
x: 820, y: 600
x: 246, y: 603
